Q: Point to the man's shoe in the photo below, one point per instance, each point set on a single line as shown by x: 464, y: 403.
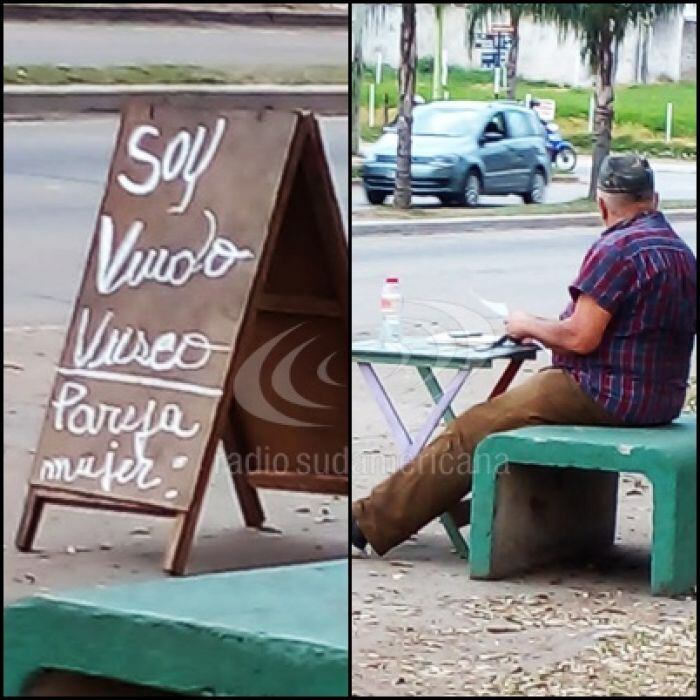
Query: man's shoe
x: 356, y: 537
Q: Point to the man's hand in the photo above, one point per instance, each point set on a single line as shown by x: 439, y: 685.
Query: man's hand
x: 579, y: 334
x: 519, y: 324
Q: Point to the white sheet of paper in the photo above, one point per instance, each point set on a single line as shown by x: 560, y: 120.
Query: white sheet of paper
x: 499, y: 308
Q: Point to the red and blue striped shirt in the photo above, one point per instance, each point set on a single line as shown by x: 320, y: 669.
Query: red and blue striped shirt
x: 644, y: 274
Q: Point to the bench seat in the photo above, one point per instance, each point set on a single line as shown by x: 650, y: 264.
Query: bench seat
x: 279, y: 631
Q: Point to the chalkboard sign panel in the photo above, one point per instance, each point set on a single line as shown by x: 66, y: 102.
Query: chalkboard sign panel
x: 213, y: 307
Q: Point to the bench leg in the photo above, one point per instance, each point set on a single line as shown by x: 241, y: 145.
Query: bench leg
x: 674, y: 538
x: 531, y: 516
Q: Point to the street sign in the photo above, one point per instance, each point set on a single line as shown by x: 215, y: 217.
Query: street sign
x: 494, y: 48
x: 213, y: 309
x: 545, y: 109
x: 500, y: 29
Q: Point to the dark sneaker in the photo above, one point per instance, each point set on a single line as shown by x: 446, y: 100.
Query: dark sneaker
x: 356, y: 537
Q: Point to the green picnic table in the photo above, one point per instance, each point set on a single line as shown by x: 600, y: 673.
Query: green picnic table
x: 426, y: 355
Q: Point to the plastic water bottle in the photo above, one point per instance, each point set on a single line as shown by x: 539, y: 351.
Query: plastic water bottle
x: 391, y: 305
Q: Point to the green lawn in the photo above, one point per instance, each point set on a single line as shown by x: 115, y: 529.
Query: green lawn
x: 640, y: 110
x: 168, y: 74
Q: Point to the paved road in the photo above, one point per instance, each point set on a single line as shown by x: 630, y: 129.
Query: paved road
x: 54, y: 180
x: 674, y: 181
x: 527, y: 269
x: 103, y: 45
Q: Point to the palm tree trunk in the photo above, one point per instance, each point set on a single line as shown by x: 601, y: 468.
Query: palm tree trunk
x: 356, y: 87
x: 604, y: 112
x: 407, y: 89
x: 437, y: 56
x: 512, y: 61
x: 356, y: 91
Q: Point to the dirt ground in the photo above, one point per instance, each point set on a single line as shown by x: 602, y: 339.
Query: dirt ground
x: 84, y: 548
x: 420, y: 626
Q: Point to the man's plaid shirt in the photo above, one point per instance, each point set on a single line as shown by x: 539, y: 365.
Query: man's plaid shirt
x: 641, y: 272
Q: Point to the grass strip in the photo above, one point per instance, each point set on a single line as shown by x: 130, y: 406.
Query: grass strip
x: 577, y: 206
x: 170, y: 74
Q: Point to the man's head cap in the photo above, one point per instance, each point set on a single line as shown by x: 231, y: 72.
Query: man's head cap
x: 629, y: 174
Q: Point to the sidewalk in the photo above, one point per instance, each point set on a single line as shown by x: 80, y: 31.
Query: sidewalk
x: 290, y: 14
x: 83, y: 99
x: 84, y: 548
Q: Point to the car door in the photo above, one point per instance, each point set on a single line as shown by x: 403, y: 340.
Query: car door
x: 498, y: 159
x: 524, y: 149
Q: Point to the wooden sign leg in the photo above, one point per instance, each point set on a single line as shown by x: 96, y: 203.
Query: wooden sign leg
x: 29, y: 523
x: 181, y: 539
x: 251, y: 507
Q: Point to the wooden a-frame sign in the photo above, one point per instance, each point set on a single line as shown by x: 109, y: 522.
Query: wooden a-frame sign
x: 213, y: 310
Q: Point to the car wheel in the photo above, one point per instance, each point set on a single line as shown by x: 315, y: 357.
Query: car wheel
x: 537, y: 188
x: 375, y: 197
x: 472, y: 190
x: 565, y: 160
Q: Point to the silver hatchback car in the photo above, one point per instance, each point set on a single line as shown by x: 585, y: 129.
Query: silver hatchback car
x: 461, y: 150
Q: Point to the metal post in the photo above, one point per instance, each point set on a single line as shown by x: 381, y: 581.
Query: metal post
x: 378, y: 69
x: 591, y: 110
x: 444, y: 69
x: 669, y: 119
x: 371, y: 105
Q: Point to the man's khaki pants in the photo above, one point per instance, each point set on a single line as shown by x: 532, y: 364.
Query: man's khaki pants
x: 440, y: 475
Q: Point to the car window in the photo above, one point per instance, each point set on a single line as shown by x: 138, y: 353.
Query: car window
x: 536, y: 125
x: 445, y: 122
x: 497, y: 125
x: 519, y: 125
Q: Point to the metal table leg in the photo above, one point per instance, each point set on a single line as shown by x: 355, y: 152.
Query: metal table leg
x: 410, y: 447
x: 446, y: 519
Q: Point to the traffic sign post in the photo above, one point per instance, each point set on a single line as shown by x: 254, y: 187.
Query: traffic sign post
x: 495, y: 46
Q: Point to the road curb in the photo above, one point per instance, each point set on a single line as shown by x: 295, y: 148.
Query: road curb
x: 174, y: 15
x: 491, y: 223
x: 23, y: 100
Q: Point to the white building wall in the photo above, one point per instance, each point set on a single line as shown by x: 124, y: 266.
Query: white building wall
x: 542, y: 55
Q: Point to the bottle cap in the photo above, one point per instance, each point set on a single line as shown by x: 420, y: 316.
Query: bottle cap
x: 392, y: 280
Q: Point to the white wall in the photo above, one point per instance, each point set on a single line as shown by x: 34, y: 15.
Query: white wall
x: 542, y: 55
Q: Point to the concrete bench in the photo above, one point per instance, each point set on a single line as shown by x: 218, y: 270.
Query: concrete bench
x: 278, y: 632
x: 557, y: 498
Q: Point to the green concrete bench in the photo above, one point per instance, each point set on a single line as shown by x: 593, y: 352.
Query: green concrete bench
x: 547, y: 493
x: 275, y: 632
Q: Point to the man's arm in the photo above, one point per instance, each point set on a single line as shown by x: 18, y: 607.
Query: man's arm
x: 580, y: 334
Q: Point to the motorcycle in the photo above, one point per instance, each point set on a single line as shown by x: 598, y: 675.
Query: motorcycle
x: 561, y: 151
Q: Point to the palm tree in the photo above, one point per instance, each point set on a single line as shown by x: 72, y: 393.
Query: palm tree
x: 407, y: 91
x: 478, y: 13
x: 359, y: 17
x: 601, y: 29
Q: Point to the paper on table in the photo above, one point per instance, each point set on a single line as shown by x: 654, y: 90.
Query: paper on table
x: 499, y: 308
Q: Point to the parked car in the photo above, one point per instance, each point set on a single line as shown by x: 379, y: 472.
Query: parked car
x: 461, y: 150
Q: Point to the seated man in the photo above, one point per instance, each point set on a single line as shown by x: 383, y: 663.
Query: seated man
x: 621, y: 356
